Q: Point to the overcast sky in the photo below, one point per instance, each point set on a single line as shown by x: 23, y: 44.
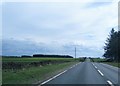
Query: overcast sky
x: 57, y: 27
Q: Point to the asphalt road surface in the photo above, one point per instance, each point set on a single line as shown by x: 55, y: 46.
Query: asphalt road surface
x: 86, y: 73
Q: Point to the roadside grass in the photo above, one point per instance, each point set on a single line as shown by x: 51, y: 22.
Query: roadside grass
x: 32, y: 74
x: 98, y: 59
x: 113, y: 64
x: 101, y: 60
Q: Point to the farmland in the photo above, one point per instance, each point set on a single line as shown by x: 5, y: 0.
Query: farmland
x: 19, y: 63
x: 32, y: 70
x: 35, y: 59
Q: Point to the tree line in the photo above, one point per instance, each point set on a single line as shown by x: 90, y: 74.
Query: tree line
x: 112, y: 46
x: 48, y: 56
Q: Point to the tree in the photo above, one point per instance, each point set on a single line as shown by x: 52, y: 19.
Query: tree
x: 118, y: 46
x: 111, y: 47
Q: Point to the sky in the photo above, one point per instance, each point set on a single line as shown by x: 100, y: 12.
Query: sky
x: 57, y: 27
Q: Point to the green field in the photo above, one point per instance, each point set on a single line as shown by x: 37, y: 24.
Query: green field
x: 33, y: 73
x: 7, y: 59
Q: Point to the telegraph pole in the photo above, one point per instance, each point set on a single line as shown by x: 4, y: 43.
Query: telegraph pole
x: 75, y: 52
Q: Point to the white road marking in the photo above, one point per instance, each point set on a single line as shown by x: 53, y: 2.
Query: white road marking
x: 53, y: 77
x: 57, y: 75
x: 101, y: 73
x: 75, y: 65
x: 110, y: 83
x: 93, y: 64
x: 95, y: 67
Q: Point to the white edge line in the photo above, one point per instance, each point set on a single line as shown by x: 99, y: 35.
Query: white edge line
x: 73, y: 66
x: 57, y: 75
x: 100, y: 72
x: 53, y: 77
x: 110, y: 83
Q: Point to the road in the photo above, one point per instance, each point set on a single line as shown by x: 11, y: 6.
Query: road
x: 86, y: 73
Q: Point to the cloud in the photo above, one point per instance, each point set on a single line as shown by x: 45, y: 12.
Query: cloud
x: 84, y: 24
x: 17, y: 47
x: 98, y: 4
x: 25, y: 47
x: 48, y: 0
x: 81, y: 1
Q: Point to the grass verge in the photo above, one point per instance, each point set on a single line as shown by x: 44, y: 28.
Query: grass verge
x: 97, y: 59
x: 101, y: 60
x: 32, y: 74
x: 113, y: 64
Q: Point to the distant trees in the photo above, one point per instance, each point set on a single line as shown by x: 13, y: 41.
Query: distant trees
x: 26, y: 56
x: 51, y: 56
x: 112, y: 46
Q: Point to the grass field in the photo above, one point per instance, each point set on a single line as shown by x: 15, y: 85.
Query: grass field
x: 35, y: 59
x: 33, y: 73
x: 19, y: 63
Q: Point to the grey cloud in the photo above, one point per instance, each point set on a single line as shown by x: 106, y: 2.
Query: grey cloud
x: 83, y: 50
x: 16, y: 47
x: 25, y: 47
x: 64, y: 23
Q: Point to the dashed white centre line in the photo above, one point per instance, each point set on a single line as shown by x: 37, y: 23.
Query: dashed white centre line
x: 101, y: 73
x: 110, y: 83
x: 95, y: 67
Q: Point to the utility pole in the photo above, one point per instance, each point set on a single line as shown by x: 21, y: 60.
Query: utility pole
x: 75, y: 52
